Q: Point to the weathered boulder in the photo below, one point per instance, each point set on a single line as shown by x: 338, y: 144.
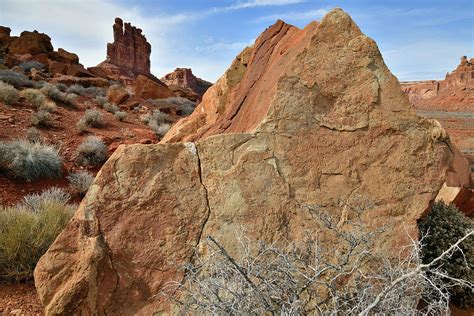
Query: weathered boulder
x: 117, y: 94
x: 148, y: 88
x: 31, y: 43
x: 184, y: 78
x: 304, y: 117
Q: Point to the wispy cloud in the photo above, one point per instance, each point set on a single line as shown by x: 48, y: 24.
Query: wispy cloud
x: 294, y: 16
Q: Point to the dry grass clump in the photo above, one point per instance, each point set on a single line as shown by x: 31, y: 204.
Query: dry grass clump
x: 80, y: 90
x: 120, y: 115
x: 112, y: 108
x: 160, y: 129
x: 28, y: 229
x: 34, y: 97
x: 56, y: 93
x: 81, y: 181
x: 91, y: 152
x: 42, y: 118
x: 8, y: 93
x: 29, y: 161
x: 91, y: 118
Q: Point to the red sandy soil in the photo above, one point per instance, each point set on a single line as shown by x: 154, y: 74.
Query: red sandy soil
x: 19, y: 299
x: 15, y: 121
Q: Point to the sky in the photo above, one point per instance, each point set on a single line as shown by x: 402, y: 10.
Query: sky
x: 419, y: 40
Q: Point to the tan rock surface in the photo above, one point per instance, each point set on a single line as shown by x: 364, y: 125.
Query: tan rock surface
x: 147, y: 88
x: 304, y: 117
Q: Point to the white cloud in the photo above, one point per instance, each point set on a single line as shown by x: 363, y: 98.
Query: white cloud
x: 294, y: 16
x: 264, y: 3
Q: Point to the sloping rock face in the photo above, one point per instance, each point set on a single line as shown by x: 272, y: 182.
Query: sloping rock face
x: 455, y: 92
x: 304, y: 117
x: 184, y: 78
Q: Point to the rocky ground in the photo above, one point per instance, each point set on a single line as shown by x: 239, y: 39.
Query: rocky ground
x: 19, y: 299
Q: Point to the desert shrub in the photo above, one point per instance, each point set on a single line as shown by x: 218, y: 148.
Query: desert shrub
x: 42, y: 118
x: 333, y: 270
x: 30, y: 161
x: 182, y: 104
x: 61, y: 86
x: 91, y: 118
x: 120, y: 115
x: 28, y: 65
x: 8, y: 93
x: 101, y: 100
x: 80, y: 90
x: 112, y: 108
x: 15, y: 79
x: 34, y: 97
x: 33, y: 135
x: 49, y: 106
x: 91, y: 152
x: 35, y: 202
x: 54, y: 93
x: 442, y: 227
x: 27, y: 231
x: 81, y: 181
x: 160, y: 129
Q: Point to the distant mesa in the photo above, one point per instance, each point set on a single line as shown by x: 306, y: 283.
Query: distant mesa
x: 456, y: 91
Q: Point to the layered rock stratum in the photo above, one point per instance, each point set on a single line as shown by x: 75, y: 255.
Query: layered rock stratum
x: 303, y: 117
x: 454, y: 92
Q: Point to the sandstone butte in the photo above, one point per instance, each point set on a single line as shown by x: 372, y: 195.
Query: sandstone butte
x: 455, y: 91
x: 183, y: 82
x: 303, y: 117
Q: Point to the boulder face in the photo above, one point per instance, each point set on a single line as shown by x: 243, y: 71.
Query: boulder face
x: 31, y: 43
x: 130, y: 48
x: 184, y: 78
x: 147, y: 88
x: 303, y: 117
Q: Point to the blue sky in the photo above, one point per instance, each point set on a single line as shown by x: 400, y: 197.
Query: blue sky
x: 418, y: 39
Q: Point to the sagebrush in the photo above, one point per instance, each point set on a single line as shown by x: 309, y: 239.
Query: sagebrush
x: 92, y: 151
x: 29, y: 161
x: 28, y: 229
x: 8, y: 93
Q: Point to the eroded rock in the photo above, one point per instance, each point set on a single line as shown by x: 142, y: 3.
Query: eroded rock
x: 303, y: 117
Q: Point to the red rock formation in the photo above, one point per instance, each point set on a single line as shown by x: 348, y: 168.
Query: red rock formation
x: 455, y: 92
x: 130, y: 48
x: 304, y: 117
x: 184, y: 78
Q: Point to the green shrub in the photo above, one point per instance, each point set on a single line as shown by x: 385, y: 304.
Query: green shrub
x: 15, y: 79
x: 30, y: 161
x: 42, y: 118
x: 81, y: 181
x: 120, y: 115
x: 34, y: 97
x: 28, y: 229
x: 8, y: 93
x: 91, y: 152
x: 28, y: 65
x: 441, y: 228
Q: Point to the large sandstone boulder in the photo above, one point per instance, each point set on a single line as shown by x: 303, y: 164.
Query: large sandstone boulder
x: 148, y: 88
x: 304, y: 117
x: 31, y: 43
